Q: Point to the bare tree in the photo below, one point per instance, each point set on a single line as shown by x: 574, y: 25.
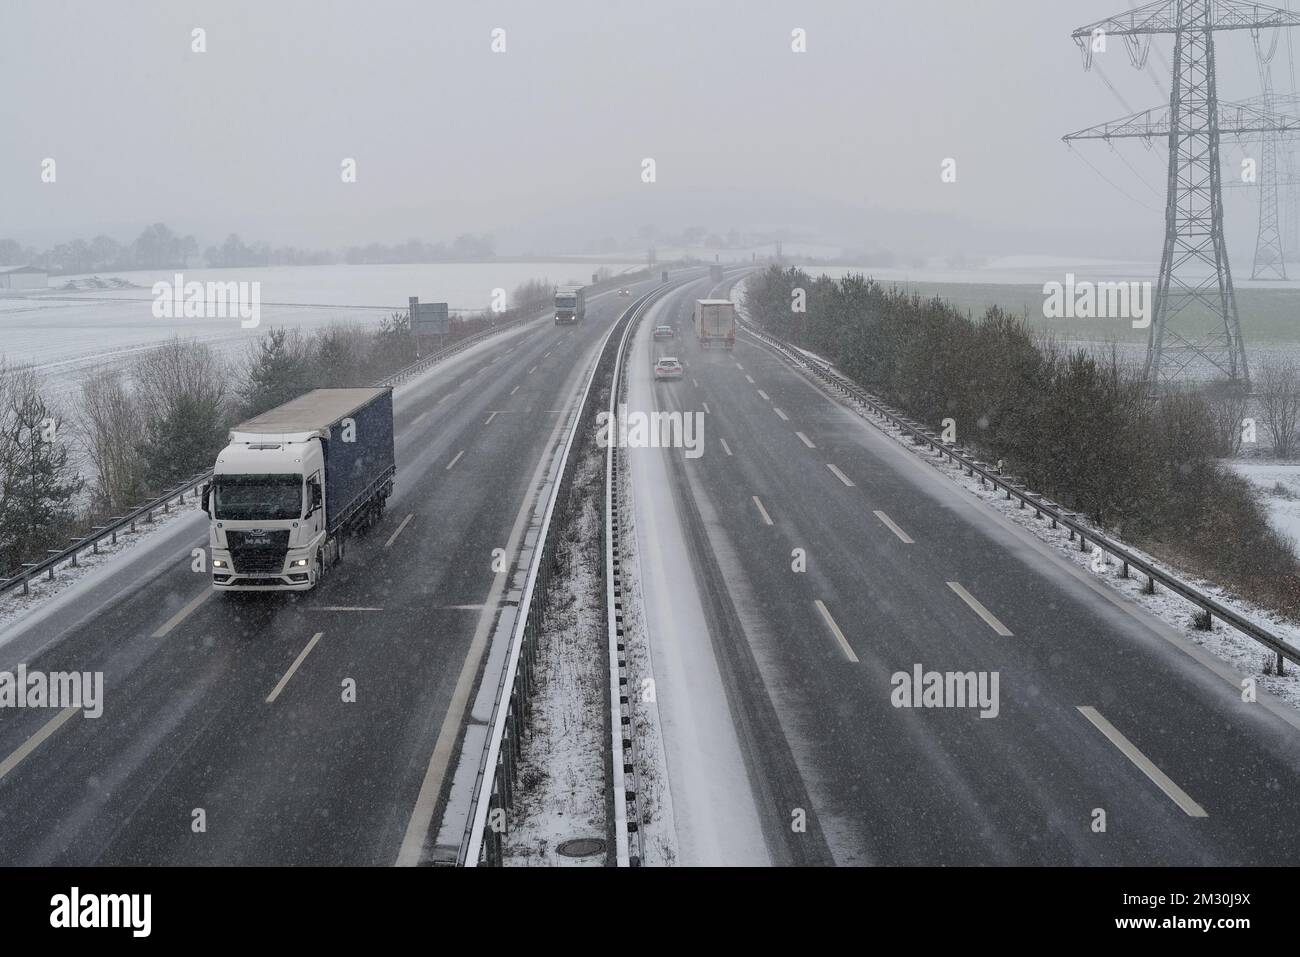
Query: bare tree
x: 1227, y: 404
x: 110, y: 423
x: 182, y: 389
x: 1278, y: 386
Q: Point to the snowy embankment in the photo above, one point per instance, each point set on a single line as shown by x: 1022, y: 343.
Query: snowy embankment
x: 1243, y: 654
x: 561, y: 782
x: 1278, y: 484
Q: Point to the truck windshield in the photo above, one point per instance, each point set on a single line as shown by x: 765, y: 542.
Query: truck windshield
x: 241, y: 498
x: 565, y: 302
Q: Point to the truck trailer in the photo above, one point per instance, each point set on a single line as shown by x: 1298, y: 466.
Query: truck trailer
x: 294, y: 483
x: 570, y: 303
x: 715, y: 322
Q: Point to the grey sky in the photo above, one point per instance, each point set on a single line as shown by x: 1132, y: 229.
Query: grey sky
x: 542, y: 145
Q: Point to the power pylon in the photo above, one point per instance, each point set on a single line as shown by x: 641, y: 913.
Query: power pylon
x: 1269, y: 260
x: 1192, y: 123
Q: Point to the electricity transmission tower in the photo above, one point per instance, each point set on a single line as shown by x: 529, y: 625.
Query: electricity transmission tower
x: 1195, y: 276
x: 1269, y: 262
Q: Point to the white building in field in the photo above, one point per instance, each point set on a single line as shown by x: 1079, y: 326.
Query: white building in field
x: 23, y: 277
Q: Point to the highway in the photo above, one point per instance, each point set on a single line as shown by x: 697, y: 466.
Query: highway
x: 227, y: 735
x: 1101, y: 707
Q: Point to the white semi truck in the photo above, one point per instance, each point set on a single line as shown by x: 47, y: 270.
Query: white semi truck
x: 715, y: 323
x: 570, y: 303
x: 294, y: 483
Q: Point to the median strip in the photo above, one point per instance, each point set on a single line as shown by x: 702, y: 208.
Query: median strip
x: 980, y: 610
x: 1144, y: 764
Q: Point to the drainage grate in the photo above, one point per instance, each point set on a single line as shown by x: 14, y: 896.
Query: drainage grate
x: 581, y: 847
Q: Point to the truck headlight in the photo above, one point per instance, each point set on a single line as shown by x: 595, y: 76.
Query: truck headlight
x: 298, y: 563
x: 218, y: 563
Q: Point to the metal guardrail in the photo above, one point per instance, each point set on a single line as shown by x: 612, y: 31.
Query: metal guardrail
x: 498, y: 767
x: 1088, y: 536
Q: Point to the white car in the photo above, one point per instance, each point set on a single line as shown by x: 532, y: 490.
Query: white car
x: 667, y: 367
x: 664, y: 332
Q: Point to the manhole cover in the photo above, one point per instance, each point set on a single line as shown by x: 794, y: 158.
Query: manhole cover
x: 581, y: 847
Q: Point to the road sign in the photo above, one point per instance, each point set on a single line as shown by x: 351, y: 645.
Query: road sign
x: 429, y: 318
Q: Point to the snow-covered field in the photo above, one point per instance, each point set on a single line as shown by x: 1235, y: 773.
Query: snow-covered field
x: 1279, y: 486
x: 66, y: 333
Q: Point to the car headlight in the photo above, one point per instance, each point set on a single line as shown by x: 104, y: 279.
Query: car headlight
x: 298, y: 563
x: 218, y: 563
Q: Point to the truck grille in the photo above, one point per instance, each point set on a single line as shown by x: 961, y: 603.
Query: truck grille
x: 254, y: 551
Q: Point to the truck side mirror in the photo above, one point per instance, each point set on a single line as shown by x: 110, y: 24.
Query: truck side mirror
x: 207, y: 497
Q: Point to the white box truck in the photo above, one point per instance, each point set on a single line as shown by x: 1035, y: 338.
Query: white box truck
x: 294, y: 483
x: 570, y: 303
x: 715, y: 323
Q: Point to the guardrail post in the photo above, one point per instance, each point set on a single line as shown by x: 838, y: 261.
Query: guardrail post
x: 1281, y: 665
x: 1123, y: 570
x: 1151, y: 586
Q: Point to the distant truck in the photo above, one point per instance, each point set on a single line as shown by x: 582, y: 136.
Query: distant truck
x: 294, y: 483
x: 570, y: 303
x: 715, y: 322
x: 715, y: 272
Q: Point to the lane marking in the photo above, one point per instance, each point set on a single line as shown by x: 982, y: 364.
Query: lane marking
x: 32, y: 743
x: 835, y: 630
x: 980, y: 610
x: 889, y: 523
x: 696, y: 383
x: 420, y: 418
x: 392, y: 538
x: 442, y: 399
x: 784, y: 417
x: 342, y: 608
x: 739, y: 366
x: 302, y: 656
x: 749, y: 379
x: 725, y: 447
x: 547, y: 356
x: 767, y: 519
x: 514, y: 390
x: 805, y: 440
x: 453, y: 462
x: 184, y: 613
x: 840, y: 475
x: 766, y: 397
x: 706, y: 408
x: 1144, y: 764
x: 532, y: 370
x: 490, y: 418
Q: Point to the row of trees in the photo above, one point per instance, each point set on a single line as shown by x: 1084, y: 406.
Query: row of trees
x: 158, y: 247
x: 1080, y: 427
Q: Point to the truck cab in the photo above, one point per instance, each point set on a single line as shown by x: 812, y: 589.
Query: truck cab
x: 267, y: 504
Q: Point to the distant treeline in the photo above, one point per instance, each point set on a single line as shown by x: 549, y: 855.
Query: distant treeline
x: 157, y: 247
x: 1080, y: 428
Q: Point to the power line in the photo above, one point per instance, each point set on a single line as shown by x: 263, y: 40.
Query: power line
x: 1115, y: 185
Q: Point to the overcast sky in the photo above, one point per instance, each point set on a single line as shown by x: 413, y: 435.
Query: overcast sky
x: 547, y: 139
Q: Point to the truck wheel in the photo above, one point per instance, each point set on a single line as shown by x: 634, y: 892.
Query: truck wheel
x: 320, y: 566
